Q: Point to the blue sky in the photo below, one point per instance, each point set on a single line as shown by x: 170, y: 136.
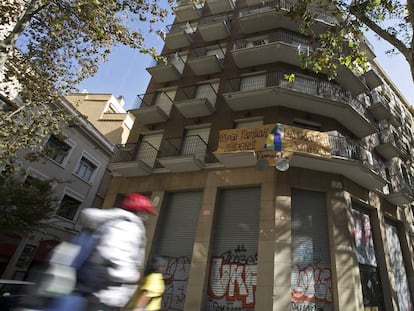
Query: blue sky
x: 124, y: 73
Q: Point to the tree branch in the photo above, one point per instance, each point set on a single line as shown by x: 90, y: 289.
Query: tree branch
x: 31, y: 9
x: 381, y: 32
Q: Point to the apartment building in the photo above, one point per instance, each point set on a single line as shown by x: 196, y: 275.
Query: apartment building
x: 273, y: 195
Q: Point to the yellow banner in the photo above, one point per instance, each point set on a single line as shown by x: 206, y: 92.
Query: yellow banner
x: 294, y: 139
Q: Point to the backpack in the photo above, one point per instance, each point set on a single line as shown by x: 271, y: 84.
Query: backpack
x: 67, y: 263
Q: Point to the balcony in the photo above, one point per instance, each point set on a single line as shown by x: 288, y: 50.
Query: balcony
x: 270, y: 15
x: 197, y: 100
x: 304, y: 94
x: 401, y: 192
x: 306, y: 149
x: 349, y: 80
x: 372, y: 78
x: 185, y: 154
x: 255, y: 2
x: 168, y: 69
x: 241, y: 158
x: 214, y: 27
x: 348, y: 159
x: 134, y: 159
x: 207, y: 60
x: 391, y: 145
x: 220, y: 6
x: 153, y: 108
x: 179, y: 35
x: 279, y: 46
x: 187, y: 10
x: 379, y: 107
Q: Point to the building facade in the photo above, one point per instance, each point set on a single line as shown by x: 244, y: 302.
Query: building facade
x: 273, y: 195
x: 106, y: 113
x: 78, y: 164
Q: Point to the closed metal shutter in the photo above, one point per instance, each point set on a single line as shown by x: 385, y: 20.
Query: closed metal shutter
x: 365, y: 250
x: 398, y: 268
x: 176, y: 241
x: 233, y: 262
x: 311, y: 269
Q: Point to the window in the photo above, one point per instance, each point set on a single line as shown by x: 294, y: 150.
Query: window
x: 68, y: 207
x: 85, y: 169
x: 56, y: 149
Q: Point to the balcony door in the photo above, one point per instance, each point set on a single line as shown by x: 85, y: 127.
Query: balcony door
x: 148, y: 148
x: 253, y: 82
x: 195, y: 142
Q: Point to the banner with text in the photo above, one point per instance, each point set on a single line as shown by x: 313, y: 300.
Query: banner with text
x: 294, y: 139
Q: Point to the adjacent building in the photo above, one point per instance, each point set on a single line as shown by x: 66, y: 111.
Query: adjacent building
x: 78, y: 164
x: 106, y: 113
x: 273, y: 195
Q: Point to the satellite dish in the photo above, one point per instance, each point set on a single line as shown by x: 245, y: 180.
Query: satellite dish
x: 282, y: 164
x: 261, y: 164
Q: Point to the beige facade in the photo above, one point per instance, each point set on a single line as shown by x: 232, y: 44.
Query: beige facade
x: 332, y: 232
x: 106, y: 113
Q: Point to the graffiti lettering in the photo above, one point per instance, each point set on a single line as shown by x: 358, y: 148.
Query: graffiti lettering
x: 233, y: 281
x: 313, y: 284
x: 219, y: 307
x: 176, y: 278
x: 238, y: 255
x: 305, y: 307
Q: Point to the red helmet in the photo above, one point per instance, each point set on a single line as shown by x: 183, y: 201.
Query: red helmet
x: 138, y: 203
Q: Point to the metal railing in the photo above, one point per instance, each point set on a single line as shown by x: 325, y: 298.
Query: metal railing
x: 351, y: 149
x: 306, y: 85
x: 168, y: 59
x: 203, y: 51
x: 193, y: 92
x: 286, y: 5
x: 217, y: 18
x: 185, y: 26
x: 150, y: 99
x: 192, y: 145
x: 400, y: 184
x: 277, y: 36
x: 143, y: 151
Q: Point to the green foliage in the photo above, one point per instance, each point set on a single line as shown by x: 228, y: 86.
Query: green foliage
x: 341, y: 43
x: 47, y: 47
x: 23, y: 205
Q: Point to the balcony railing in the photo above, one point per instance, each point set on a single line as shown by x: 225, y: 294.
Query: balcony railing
x: 152, y: 99
x: 400, y: 184
x: 142, y: 151
x: 303, y: 84
x: 351, y: 149
x: 214, y: 27
x: 192, y: 145
x: 278, y: 36
x: 179, y: 35
x: 217, y: 50
x: 170, y: 59
x: 196, y: 92
x: 168, y: 68
x: 286, y: 5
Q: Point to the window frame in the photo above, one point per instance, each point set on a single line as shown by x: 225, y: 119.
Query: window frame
x: 91, y: 161
x: 66, y: 142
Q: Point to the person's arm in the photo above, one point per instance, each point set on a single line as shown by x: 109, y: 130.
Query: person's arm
x: 142, y: 301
